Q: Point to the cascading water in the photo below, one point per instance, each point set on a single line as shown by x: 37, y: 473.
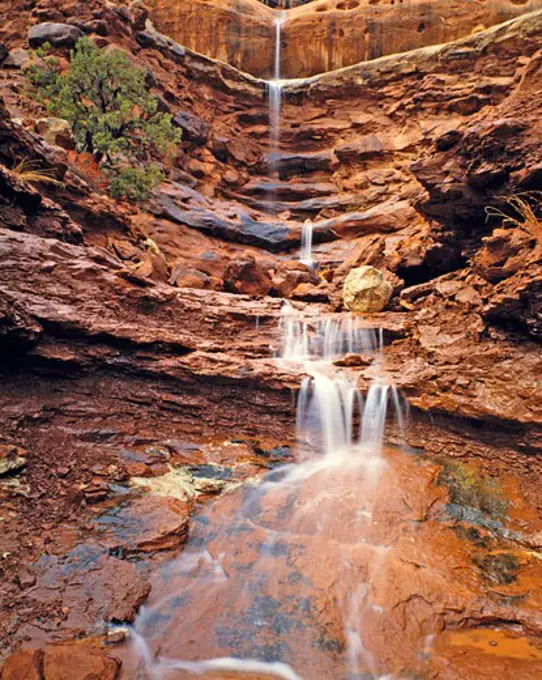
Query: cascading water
x: 305, y: 255
x: 274, y: 89
x: 240, y: 600
x: 246, y: 596
x: 307, y: 338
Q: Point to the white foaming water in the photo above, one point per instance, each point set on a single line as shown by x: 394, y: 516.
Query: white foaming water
x: 304, y: 339
x: 159, y: 669
x: 333, y: 417
x: 274, y: 92
x: 279, y: 20
x: 305, y: 255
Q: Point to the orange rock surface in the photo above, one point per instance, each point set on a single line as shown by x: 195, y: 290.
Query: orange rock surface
x: 323, y: 35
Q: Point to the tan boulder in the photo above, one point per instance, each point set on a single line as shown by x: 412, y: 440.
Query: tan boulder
x: 56, y: 131
x: 365, y: 290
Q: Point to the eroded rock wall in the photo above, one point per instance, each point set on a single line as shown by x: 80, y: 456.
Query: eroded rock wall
x: 327, y: 34
x: 239, y: 33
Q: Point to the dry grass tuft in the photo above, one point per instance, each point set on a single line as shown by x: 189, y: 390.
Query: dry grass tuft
x: 518, y: 211
x: 26, y: 171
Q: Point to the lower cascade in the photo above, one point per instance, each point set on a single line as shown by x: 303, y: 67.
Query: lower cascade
x: 241, y: 596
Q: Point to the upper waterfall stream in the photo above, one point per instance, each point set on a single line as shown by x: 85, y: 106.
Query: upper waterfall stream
x: 274, y: 88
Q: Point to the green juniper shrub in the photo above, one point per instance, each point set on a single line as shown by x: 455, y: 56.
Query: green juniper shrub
x: 112, y: 114
x: 135, y: 184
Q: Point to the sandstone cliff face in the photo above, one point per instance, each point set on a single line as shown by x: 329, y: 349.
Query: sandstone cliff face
x: 324, y: 35
x: 240, y: 34
x: 127, y: 350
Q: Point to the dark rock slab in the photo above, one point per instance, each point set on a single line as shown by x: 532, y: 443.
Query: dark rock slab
x: 58, y: 35
x: 269, y: 235
x: 290, y: 165
x: 194, y: 129
x: 157, y: 41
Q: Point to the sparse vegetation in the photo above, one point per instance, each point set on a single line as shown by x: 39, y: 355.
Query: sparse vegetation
x: 26, y: 171
x: 519, y: 211
x: 135, y: 184
x: 111, y: 112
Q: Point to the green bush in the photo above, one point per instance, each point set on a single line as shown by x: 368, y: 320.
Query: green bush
x: 112, y: 114
x: 135, y: 184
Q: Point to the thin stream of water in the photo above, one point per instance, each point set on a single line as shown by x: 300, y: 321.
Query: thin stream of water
x: 305, y: 255
x: 274, y: 89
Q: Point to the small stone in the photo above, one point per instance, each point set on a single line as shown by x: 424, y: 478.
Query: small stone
x: 114, y: 637
x: 17, y: 59
x: 97, y: 26
x: 194, y: 129
x: 231, y: 177
x: 95, y: 492
x: 354, y: 360
x: 198, y: 168
x: 25, y: 579
x: 11, y: 458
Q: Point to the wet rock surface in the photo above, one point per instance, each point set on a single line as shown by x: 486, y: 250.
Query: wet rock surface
x: 287, y: 550
x: 138, y: 383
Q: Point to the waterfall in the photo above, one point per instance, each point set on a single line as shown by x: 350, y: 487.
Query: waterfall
x: 325, y: 339
x: 274, y: 89
x: 237, y: 601
x: 329, y: 404
x: 279, y: 20
x: 305, y: 255
x: 225, y: 605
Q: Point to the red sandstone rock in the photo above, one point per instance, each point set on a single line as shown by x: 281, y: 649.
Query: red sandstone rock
x: 68, y: 661
x: 145, y: 525
x: 25, y: 665
x: 366, y: 147
x: 107, y: 357
x: 248, y: 277
x: 289, y: 275
x: 62, y: 662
